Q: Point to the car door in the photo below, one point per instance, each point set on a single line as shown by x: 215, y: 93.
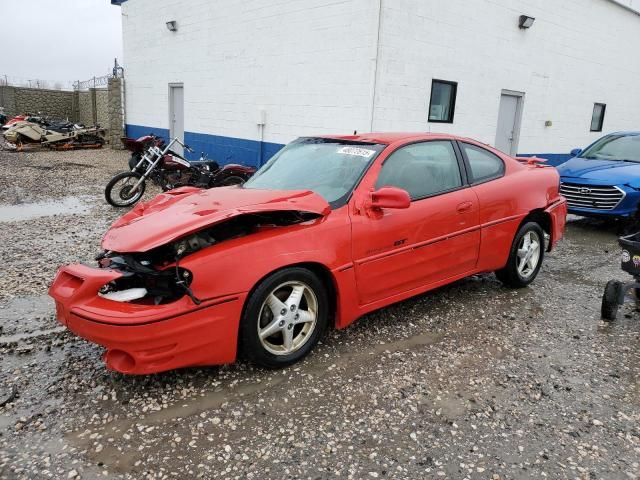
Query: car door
x: 436, y: 238
x: 497, y: 195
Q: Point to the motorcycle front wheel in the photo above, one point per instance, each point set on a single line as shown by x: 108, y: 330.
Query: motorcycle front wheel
x: 119, y: 191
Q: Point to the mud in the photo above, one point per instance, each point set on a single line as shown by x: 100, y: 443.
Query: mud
x: 470, y: 381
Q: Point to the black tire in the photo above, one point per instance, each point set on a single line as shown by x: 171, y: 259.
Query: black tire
x: 610, y: 305
x: 122, y: 197
x: 232, y: 180
x: 510, y: 275
x: 251, y: 346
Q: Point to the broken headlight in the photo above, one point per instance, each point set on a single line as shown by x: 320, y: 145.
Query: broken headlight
x: 142, y: 283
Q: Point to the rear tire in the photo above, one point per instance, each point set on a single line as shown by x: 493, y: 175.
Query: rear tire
x: 117, y: 191
x: 525, y: 258
x: 284, y: 318
x: 610, y: 306
x: 232, y: 180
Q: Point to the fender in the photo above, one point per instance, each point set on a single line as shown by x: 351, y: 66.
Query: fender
x: 237, y: 169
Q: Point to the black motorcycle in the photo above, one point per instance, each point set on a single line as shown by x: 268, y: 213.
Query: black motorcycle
x: 152, y: 159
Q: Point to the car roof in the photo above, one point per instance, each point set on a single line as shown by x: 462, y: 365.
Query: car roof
x: 392, y: 137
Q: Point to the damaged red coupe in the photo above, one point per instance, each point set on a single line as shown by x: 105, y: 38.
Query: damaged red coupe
x: 328, y: 230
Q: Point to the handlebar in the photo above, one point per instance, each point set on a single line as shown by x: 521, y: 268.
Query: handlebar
x: 184, y: 145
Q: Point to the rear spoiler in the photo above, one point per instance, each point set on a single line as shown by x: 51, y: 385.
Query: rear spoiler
x: 533, y: 161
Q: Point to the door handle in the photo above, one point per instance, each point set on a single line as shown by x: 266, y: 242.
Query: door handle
x: 464, y: 207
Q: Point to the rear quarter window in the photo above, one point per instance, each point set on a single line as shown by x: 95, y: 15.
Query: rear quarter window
x: 484, y: 164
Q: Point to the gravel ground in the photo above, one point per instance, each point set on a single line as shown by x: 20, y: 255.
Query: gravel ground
x: 470, y: 381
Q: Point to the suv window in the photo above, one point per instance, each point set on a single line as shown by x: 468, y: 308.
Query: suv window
x: 484, y: 164
x: 422, y: 169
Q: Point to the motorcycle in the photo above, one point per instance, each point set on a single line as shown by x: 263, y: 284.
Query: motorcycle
x: 59, y: 136
x: 152, y: 159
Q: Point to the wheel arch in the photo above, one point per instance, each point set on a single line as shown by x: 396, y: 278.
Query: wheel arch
x: 320, y: 270
x: 542, y: 218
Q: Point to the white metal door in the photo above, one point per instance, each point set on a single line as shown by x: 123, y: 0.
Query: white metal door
x: 508, y: 123
x: 176, y: 115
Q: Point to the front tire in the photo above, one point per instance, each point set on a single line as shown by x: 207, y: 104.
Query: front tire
x: 118, y: 191
x: 285, y: 317
x: 525, y: 257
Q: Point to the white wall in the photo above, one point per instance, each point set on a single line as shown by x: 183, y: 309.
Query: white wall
x: 576, y: 53
x: 307, y: 63
x: 310, y: 64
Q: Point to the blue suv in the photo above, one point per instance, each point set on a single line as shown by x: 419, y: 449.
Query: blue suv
x: 603, y: 180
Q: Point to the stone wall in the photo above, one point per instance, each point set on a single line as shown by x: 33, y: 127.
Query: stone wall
x: 93, y: 107
x: 54, y: 103
x: 102, y: 107
x: 85, y: 108
x: 115, y: 112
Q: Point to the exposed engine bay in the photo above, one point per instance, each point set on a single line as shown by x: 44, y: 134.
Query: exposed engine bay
x: 155, y: 277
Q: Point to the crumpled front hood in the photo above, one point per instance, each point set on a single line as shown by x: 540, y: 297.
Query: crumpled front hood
x: 604, y: 171
x: 176, y: 213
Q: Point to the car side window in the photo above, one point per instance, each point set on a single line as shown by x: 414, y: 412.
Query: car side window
x: 484, y: 164
x: 422, y: 169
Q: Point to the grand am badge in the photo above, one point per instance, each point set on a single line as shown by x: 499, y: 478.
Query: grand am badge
x: 626, y: 256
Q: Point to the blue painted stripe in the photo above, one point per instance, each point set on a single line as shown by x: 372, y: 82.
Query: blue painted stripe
x: 554, y: 159
x: 222, y: 149
x: 255, y: 153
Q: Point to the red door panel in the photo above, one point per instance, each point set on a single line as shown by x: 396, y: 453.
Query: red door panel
x: 399, y: 250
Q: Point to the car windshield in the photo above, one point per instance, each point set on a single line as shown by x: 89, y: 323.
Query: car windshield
x: 615, y: 147
x: 329, y: 167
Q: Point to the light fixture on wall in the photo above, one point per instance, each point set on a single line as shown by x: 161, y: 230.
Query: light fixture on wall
x: 526, y: 21
x: 172, y: 25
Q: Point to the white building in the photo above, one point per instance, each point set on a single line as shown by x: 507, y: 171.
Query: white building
x: 241, y: 78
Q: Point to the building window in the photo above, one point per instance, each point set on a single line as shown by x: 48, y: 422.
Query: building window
x: 597, y: 118
x: 443, y: 101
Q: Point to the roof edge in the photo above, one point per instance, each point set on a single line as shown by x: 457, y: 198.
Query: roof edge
x: 631, y: 5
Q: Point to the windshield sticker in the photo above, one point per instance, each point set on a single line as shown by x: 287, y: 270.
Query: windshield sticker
x: 360, y: 152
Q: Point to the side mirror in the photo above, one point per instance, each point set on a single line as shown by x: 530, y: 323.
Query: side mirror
x: 576, y: 152
x: 390, y: 197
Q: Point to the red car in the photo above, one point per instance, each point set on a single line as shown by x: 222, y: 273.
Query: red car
x: 329, y: 229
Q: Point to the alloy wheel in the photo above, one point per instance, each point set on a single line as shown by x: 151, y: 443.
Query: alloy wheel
x: 528, y: 254
x: 287, y: 318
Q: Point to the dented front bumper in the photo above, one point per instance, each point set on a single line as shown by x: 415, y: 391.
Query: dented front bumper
x: 142, y: 339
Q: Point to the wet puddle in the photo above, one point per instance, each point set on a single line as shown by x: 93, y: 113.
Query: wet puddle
x: 28, y: 211
x: 19, y: 337
x: 26, y: 316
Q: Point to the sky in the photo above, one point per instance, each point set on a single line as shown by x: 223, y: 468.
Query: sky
x: 58, y: 41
